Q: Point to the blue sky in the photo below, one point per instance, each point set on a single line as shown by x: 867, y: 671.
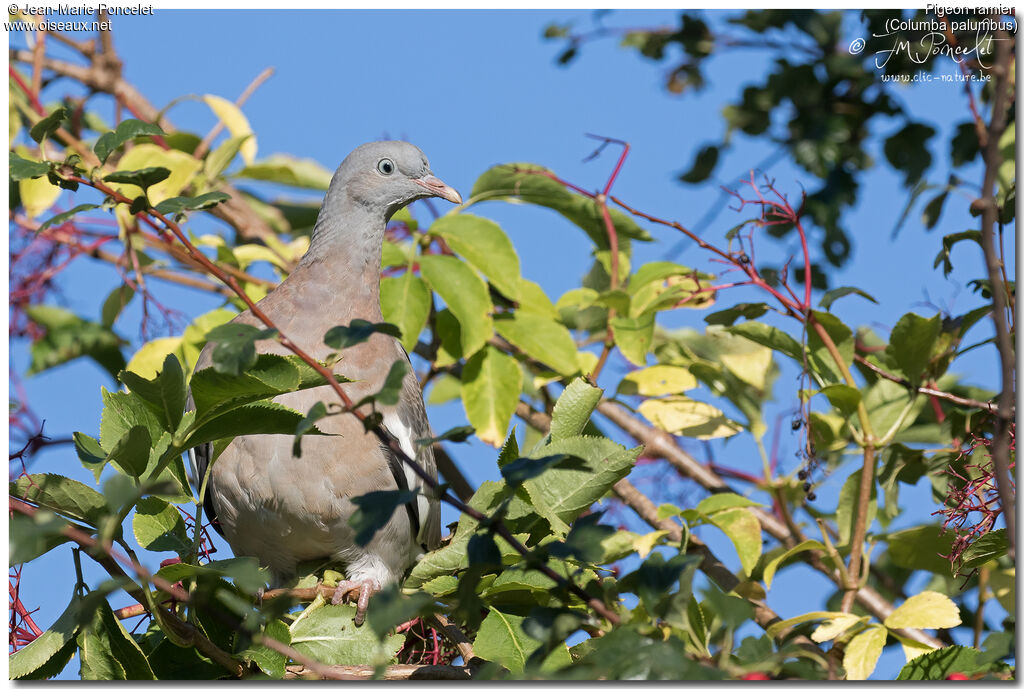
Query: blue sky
x: 478, y: 88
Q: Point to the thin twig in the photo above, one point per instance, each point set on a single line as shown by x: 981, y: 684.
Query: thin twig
x: 207, y: 141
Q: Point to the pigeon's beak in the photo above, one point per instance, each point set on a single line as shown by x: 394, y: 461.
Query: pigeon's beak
x: 438, y: 188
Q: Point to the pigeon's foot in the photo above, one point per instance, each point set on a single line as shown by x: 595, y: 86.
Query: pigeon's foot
x: 365, y: 587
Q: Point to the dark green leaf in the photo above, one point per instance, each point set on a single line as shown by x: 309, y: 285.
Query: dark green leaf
x: 375, y: 510
x: 391, y: 608
x: 829, y: 297
x: 34, y: 660
x: 730, y: 315
x: 940, y: 664
x: 262, y: 418
x: 63, y: 495
x: 166, y: 393
x: 26, y: 169
x: 990, y: 546
x: 944, y: 256
x: 389, y: 392
x: 180, y: 204
x: 703, y: 165
x: 271, y: 662
x: 458, y: 434
x: 145, y: 178
x: 235, y: 346
x: 126, y: 131
x: 47, y: 126
x: 910, y: 343
x: 108, y: 652
x: 330, y: 635
x: 316, y: 412
x: 524, y: 468
x: 61, y: 218
x: 131, y: 453
x: 159, y: 527
x: 573, y: 409
x: 357, y: 331
x: 90, y: 453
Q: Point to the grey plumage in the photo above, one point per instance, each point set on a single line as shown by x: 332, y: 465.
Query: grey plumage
x: 284, y: 509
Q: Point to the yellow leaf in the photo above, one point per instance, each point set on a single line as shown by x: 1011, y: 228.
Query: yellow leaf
x: 926, y: 610
x: 1003, y: 585
x: 37, y: 195
x: 913, y: 649
x: 680, y: 415
x: 830, y: 629
x: 772, y: 566
x: 658, y: 380
x: 236, y: 122
x: 183, y: 168
x: 744, y: 530
x: 643, y: 543
x: 777, y: 627
x: 247, y: 254
x: 149, y: 360
x: 750, y: 366
x: 863, y: 651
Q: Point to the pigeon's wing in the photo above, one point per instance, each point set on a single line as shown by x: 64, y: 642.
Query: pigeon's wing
x: 407, y: 422
x: 199, y: 458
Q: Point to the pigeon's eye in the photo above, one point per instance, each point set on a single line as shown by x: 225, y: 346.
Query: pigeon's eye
x: 386, y: 166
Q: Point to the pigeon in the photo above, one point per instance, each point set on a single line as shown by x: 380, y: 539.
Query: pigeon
x: 283, y: 508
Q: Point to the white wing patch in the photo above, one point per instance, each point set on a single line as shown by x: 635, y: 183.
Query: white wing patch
x: 403, y: 434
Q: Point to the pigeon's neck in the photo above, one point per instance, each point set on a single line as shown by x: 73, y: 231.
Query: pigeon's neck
x: 344, y: 257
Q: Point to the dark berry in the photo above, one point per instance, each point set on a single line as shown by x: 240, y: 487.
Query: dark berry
x: 802, y: 474
x: 807, y: 487
x: 811, y: 497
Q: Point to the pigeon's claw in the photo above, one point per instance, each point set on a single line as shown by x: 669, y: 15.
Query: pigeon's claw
x: 365, y: 587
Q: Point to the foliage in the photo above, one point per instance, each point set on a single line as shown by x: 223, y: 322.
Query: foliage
x: 535, y: 575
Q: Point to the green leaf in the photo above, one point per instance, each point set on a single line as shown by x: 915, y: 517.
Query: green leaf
x: 126, y: 131
x: 563, y: 492
x: 926, y: 610
x: 144, y: 178
x: 770, y: 337
x: 542, y: 339
x: 257, y: 418
x: 220, y: 158
x: 484, y: 246
x: 405, y: 301
x: 681, y: 415
x: 573, y: 409
x: 846, y: 512
x: 270, y: 662
x: 863, y: 651
x: 63, y: 495
x: 69, y: 337
x: 166, y: 393
x: 330, y: 635
x: 501, y: 640
x: 131, y: 452
x: 47, y: 654
x: 843, y: 397
x: 61, y: 218
x: 180, y: 204
x: 940, y: 664
x: 270, y: 376
x: 773, y: 565
x: 159, y: 527
x: 356, y: 332
x: 458, y: 434
x: 921, y: 547
x: 235, y: 346
x: 989, y: 547
x: 657, y: 380
x: 374, y: 510
x: 466, y: 296
x: 31, y: 537
x: 744, y: 530
x: 20, y: 169
x: 49, y: 125
x: 391, y: 389
x: 723, y: 501
x: 830, y: 296
x: 945, y: 255
x: 315, y: 413
x: 732, y: 314
x: 910, y: 343
x: 819, y: 357
x: 521, y: 181
x: 633, y: 336
x: 90, y: 454
x: 294, y: 172
x: 115, y: 303
x: 703, y: 165
x: 490, y: 388
x: 108, y: 652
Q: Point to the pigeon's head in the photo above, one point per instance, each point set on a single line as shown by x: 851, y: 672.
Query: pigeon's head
x: 389, y: 175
